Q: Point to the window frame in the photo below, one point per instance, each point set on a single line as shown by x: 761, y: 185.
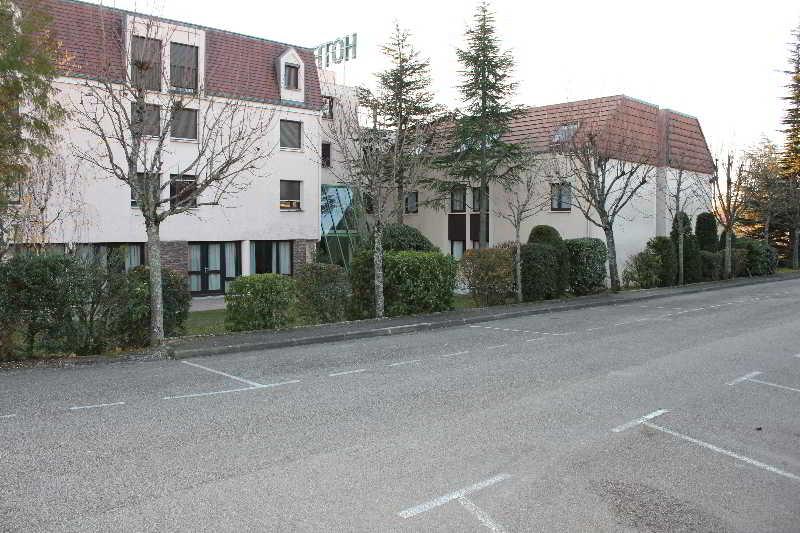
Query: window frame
x: 287, y: 68
x: 325, y: 160
x: 135, y: 78
x: 172, y: 66
x: 174, y: 122
x: 14, y: 193
x: 145, y: 123
x: 174, y: 179
x: 298, y: 148
x: 406, y: 203
x: 556, y: 197
x: 476, y: 205
x: 327, y: 107
x: 463, y: 191
x: 291, y: 203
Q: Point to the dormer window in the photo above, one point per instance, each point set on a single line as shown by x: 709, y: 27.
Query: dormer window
x: 146, y: 63
x: 183, y: 67
x: 291, y: 77
x: 565, y: 133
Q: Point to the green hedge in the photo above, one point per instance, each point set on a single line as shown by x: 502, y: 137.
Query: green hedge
x: 489, y: 274
x: 663, y: 248
x: 260, y: 301
x: 544, y: 234
x: 542, y: 271
x: 710, y: 265
x: 587, y: 265
x: 414, y: 282
x: 761, y: 259
x: 548, y: 235
x: 705, y: 227
x: 404, y: 238
x: 643, y: 270
x: 323, y: 292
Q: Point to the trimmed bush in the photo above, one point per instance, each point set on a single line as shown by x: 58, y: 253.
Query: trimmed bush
x: 323, y: 292
x: 710, y: 265
x: 642, y: 270
x: 662, y: 247
x: 760, y: 258
x: 400, y: 237
x: 260, y: 301
x: 133, y: 327
x: 542, y: 271
x: 489, y: 274
x: 413, y: 282
x: 544, y: 234
x: 705, y: 227
x: 692, y: 264
x: 587, y: 265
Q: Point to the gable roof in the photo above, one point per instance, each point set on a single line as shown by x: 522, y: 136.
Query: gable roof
x: 236, y: 65
x: 660, y: 137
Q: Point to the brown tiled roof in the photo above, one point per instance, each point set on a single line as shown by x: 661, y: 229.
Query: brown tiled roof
x: 237, y: 65
x: 629, y: 127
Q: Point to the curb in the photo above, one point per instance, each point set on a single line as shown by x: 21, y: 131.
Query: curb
x: 644, y: 295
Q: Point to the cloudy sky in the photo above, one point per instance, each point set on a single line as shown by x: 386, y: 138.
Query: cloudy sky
x: 718, y: 60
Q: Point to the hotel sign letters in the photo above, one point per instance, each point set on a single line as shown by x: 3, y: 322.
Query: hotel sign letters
x: 336, y: 51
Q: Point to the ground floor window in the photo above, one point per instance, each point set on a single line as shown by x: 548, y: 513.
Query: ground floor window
x: 213, y: 265
x: 457, y: 249
x: 125, y: 256
x: 273, y: 257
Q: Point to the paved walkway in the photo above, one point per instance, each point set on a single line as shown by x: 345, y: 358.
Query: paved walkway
x: 207, y: 303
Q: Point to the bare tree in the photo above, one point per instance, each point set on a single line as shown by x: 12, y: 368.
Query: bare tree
x: 130, y: 119
x: 678, y: 188
x: 765, y: 189
x: 364, y: 156
x: 726, y: 200
x: 606, y: 173
x: 523, y: 197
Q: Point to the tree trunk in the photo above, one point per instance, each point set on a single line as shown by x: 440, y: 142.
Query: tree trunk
x: 156, y: 296
x: 796, y: 249
x: 767, y: 221
x: 681, y: 275
x: 484, y: 215
x: 401, y: 202
x: 377, y: 259
x: 728, y: 253
x: 518, y: 268
x: 613, y: 273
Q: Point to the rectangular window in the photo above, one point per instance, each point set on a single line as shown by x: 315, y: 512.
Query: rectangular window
x: 181, y: 191
x: 183, y: 67
x: 291, y: 77
x: 565, y: 133
x: 327, y: 107
x: 290, y: 194
x: 134, y: 256
x: 271, y: 257
x: 326, y: 155
x: 290, y: 134
x: 146, y: 63
x: 12, y: 194
x: 458, y: 200
x: 184, y: 124
x: 560, y: 197
x: 150, y: 121
x: 457, y: 249
x: 476, y: 198
x: 412, y: 199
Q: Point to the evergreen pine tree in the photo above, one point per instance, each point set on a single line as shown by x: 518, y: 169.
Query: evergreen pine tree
x: 790, y: 162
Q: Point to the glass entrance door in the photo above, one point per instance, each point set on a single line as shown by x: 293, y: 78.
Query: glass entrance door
x: 210, y: 263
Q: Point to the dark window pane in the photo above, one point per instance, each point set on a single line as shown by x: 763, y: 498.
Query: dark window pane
x: 327, y: 107
x: 290, y: 134
x: 458, y: 200
x: 411, y: 202
x: 476, y: 198
x: 291, y: 75
x: 150, y: 121
x: 183, y: 67
x: 184, y: 124
x: 146, y: 63
x: 560, y: 197
x: 326, y: 155
x: 290, y: 194
x: 181, y: 189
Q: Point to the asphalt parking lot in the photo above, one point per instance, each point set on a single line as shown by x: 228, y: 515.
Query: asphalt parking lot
x: 677, y: 414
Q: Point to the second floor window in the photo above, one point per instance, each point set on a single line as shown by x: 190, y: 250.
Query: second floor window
x: 412, y: 199
x: 11, y: 194
x: 291, y: 77
x: 146, y: 63
x: 150, y: 121
x: 327, y: 107
x: 290, y: 134
x: 184, y: 124
x: 326, y: 155
x: 290, y: 195
x: 477, y: 198
x: 182, y: 191
x: 560, y: 197
x: 183, y: 67
x: 458, y: 200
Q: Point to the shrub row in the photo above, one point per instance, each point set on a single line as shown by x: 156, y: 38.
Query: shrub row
x: 62, y: 304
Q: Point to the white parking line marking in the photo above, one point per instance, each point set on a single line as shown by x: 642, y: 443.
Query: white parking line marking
x: 79, y: 407
x: 8, y: 416
x: 201, y: 394
x: 405, y: 362
x: 723, y: 451
x: 776, y: 385
x: 481, y: 515
x: 744, y: 378
x: 495, y: 347
x: 348, y: 372
x: 237, y: 378
x: 640, y: 420
x: 536, y: 339
x: 454, y: 354
x: 441, y: 500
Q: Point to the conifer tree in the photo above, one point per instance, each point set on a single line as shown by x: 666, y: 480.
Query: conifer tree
x: 790, y: 162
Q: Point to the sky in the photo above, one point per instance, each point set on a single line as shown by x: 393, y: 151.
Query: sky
x: 720, y: 61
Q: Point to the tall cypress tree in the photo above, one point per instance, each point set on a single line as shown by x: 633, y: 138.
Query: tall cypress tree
x: 790, y: 162
x: 479, y: 156
x: 405, y: 106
